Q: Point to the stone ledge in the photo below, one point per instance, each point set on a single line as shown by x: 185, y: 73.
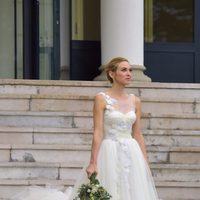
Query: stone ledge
x: 150, y: 99
x: 43, y: 130
x: 71, y: 182
x: 78, y: 165
x: 29, y: 164
x: 50, y: 147
x: 7, y: 129
x: 175, y: 166
x: 168, y: 132
x: 185, y: 149
x: 14, y: 96
x: 88, y: 147
x: 89, y: 114
x: 35, y: 182
x: 173, y: 149
x: 178, y: 184
x: 96, y: 83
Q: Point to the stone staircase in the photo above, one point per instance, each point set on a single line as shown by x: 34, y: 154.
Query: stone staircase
x: 46, y: 131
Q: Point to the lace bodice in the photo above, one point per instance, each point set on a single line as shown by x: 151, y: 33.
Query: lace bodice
x: 119, y: 117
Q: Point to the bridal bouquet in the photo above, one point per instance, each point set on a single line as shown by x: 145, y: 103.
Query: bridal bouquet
x: 92, y: 191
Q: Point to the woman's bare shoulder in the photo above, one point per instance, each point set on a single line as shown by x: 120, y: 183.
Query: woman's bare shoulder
x: 99, y: 100
x: 99, y: 96
x: 137, y: 100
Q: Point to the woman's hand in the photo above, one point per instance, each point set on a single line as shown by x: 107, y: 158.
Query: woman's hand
x: 92, y: 168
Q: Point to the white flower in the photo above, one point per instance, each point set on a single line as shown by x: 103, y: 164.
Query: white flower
x: 88, y: 190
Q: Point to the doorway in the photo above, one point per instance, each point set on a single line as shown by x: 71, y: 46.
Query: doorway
x: 85, y: 47
x: 30, y: 47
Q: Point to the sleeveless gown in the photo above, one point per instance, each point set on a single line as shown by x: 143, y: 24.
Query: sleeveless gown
x: 122, y: 169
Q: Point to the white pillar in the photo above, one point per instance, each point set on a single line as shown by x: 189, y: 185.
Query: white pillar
x: 64, y: 39
x: 122, y: 34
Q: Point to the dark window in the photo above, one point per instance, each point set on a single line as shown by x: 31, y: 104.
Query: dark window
x: 169, y: 21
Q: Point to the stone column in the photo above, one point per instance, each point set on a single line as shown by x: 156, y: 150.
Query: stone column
x: 122, y: 34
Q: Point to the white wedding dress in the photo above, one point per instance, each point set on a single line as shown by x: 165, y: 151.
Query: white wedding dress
x: 122, y: 169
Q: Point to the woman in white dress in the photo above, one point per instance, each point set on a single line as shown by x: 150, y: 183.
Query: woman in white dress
x: 118, y: 153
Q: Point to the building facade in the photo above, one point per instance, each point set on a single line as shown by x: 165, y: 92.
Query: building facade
x: 72, y: 39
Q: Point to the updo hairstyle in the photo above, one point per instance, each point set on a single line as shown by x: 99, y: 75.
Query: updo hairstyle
x: 112, y: 66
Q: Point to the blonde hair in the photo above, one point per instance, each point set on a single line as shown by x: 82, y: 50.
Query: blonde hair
x: 112, y: 66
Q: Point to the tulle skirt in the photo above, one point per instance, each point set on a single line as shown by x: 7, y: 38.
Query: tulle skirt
x: 122, y: 171
x: 42, y: 193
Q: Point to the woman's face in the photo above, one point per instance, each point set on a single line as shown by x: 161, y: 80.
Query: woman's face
x: 123, y: 74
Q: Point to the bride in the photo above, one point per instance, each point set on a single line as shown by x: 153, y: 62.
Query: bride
x: 118, y: 153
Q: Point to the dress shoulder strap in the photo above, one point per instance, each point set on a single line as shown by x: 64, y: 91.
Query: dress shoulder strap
x: 107, y: 98
x: 101, y: 93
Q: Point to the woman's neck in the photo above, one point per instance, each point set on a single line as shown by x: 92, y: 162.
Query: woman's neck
x: 117, y: 91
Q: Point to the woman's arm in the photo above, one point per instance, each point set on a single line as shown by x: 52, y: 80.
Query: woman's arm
x: 137, y: 134
x: 98, y: 112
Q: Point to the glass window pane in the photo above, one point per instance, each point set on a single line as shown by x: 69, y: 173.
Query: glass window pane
x: 46, y: 38
x: 85, y: 20
x: 7, y: 48
x: 19, y: 38
x: 169, y: 21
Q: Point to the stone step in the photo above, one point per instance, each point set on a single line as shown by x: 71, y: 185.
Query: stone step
x: 188, y: 155
x: 57, y: 174
x: 16, y: 135
x: 29, y: 171
x: 80, y: 154
x: 43, y: 119
x: 84, y: 136
x: 171, y: 121
x: 38, y: 102
x: 85, y: 103
x: 174, y: 155
x: 41, y: 135
x: 160, y: 137
x: 176, y: 172
x: 51, y: 87
x: 9, y: 188
x: 66, y: 171
x: 47, y: 102
x: 168, y: 178
x: 84, y: 120
x: 166, y: 190
x: 178, y: 190
x: 39, y: 170
x: 182, y: 90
